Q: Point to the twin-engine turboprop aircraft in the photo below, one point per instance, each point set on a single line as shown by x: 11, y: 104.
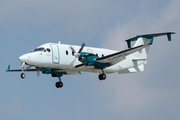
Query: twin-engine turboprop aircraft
x: 61, y: 59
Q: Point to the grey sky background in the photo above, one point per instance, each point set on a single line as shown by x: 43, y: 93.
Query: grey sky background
x: 152, y: 94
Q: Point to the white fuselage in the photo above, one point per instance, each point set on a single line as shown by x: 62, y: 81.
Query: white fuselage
x: 60, y: 57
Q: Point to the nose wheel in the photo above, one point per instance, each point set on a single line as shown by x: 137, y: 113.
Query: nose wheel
x: 22, y: 75
x: 59, y: 84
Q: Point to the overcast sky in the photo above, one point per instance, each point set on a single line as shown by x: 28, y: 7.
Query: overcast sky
x: 149, y: 95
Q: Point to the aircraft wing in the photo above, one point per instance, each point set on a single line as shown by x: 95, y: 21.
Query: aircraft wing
x: 26, y: 70
x: 119, y: 56
x: 20, y: 70
x: 65, y: 72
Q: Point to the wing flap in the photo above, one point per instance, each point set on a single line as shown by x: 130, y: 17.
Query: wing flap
x: 73, y: 72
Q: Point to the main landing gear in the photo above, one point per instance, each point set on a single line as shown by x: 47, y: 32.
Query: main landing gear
x: 59, y: 84
x: 102, y: 76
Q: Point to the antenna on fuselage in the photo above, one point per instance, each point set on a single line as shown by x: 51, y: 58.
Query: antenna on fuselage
x: 59, y: 42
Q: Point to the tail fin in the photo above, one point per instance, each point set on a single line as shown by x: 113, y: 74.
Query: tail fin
x: 145, y: 39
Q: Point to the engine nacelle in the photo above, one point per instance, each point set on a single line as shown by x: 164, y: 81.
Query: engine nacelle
x: 83, y: 60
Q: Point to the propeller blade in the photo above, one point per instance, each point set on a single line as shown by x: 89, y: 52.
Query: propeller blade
x: 73, y: 62
x: 77, y: 55
x: 28, y: 67
x: 38, y: 73
x: 72, y: 49
x: 81, y: 47
x: 80, y: 65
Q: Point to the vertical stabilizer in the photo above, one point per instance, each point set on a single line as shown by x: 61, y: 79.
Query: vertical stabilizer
x: 142, y: 54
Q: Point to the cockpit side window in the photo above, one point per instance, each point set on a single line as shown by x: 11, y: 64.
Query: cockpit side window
x: 48, y: 50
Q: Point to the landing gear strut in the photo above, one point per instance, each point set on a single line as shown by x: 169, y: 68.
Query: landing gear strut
x: 22, y: 74
x: 59, y: 84
x: 102, y: 76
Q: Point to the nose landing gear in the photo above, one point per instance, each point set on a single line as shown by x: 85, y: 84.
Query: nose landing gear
x: 22, y: 74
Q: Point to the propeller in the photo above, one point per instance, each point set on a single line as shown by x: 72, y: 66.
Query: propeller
x: 29, y: 66
x: 77, y: 54
x: 73, y: 62
x: 38, y: 73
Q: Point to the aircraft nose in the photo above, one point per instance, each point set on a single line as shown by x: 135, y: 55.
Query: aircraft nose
x: 23, y: 58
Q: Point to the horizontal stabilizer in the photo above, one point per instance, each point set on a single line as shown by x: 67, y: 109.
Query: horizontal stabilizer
x: 132, y: 70
x: 150, y: 36
x: 137, y: 68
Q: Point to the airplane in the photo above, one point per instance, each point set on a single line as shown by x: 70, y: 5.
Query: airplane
x: 62, y: 59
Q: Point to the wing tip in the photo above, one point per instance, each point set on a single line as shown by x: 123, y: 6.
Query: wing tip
x: 8, y: 68
x: 172, y: 32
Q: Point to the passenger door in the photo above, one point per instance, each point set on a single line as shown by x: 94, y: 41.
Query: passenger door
x: 55, y: 53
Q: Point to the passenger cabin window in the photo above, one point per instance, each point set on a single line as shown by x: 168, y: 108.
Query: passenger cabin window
x: 102, y: 55
x: 66, y: 52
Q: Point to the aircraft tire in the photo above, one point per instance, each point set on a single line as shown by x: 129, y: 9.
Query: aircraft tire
x: 22, y: 75
x: 59, y: 84
x: 102, y: 76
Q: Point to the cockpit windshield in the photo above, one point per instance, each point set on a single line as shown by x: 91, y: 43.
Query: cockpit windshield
x: 42, y: 49
x: 38, y: 49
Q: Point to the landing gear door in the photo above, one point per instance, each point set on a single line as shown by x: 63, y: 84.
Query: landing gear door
x: 55, y: 53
